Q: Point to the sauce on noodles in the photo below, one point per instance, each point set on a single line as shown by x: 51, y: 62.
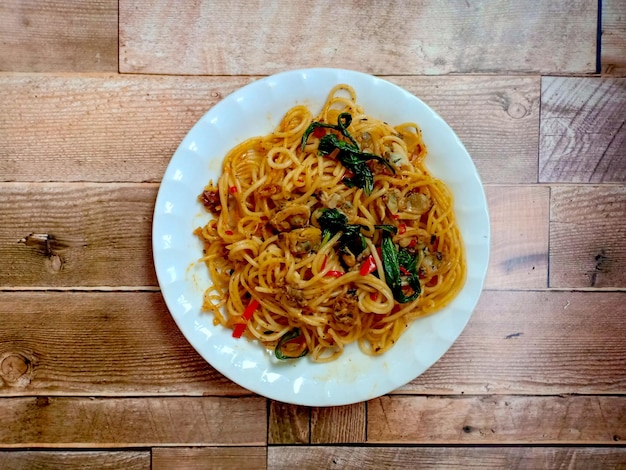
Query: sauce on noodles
x: 329, y: 231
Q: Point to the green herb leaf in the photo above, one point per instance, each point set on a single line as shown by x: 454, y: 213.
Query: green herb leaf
x: 392, y: 260
x: 343, y: 122
x: 332, y: 221
x: 349, y: 153
x: 291, y: 335
x: 387, y: 228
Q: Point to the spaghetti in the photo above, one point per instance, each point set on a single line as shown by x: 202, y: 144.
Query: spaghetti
x: 329, y: 231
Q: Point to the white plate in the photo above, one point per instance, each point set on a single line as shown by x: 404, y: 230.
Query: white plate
x: 255, y: 110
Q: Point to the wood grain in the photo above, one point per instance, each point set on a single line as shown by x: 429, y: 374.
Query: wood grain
x: 57, y: 235
x: 587, y: 236
x: 496, y: 118
x: 127, y: 344
x: 55, y: 36
x: 449, y: 457
x: 132, y: 422
x: 339, y: 424
x: 583, y: 131
x: 519, y: 217
x: 613, y: 37
x: 112, y: 128
x: 425, y: 37
x: 289, y: 424
x: 535, y: 343
x: 585, y: 420
x: 85, y: 460
x: 202, y: 458
x: 107, y: 128
x: 99, y: 343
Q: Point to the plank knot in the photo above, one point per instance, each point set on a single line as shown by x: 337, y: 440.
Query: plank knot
x: 48, y: 246
x: 15, y: 369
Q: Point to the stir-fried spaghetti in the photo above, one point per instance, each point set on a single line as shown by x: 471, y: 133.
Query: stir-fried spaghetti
x: 327, y: 231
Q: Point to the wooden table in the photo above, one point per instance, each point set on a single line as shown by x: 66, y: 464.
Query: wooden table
x: 94, y: 99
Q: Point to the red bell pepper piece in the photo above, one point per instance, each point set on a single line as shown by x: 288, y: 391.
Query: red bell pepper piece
x: 368, y: 266
x: 334, y: 274
x: 319, y: 132
x: 247, y: 314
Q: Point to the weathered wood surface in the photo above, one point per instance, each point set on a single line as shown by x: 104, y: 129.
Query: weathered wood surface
x: 519, y: 237
x: 125, y: 128
x: 587, y: 420
x: 53, y: 36
x: 94, y: 372
x: 289, y: 424
x: 83, y: 459
x: 588, y: 236
x: 61, y: 235
x: 201, y: 458
x: 426, y: 457
x: 107, y: 128
x: 535, y: 343
x: 132, y: 422
x: 425, y: 37
x: 613, y: 38
x: 80, y: 234
x: 583, y: 130
x: 339, y: 424
x: 118, y: 344
x: 99, y: 343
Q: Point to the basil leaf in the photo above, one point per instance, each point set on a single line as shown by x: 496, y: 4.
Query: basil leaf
x: 392, y: 260
x: 330, y: 142
x: 387, y: 228
x: 293, y: 334
x: 309, y: 130
x: 332, y: 221
x: 343, y: 122
x: 349, y: 153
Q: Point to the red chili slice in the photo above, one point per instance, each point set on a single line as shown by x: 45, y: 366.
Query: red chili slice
x: 247, y: 314
x: 319, y: 132
x: 334, y: 274
x: 368, y: 266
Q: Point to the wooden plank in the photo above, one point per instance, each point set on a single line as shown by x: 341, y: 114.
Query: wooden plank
x: 587, y: 234
x: 77, y: 234
x: 202, y: 458
x: 585, y: 420
x: 53, y: 36
x: 482, y: 109
x: 339, y: 424
x: 132, y: 422
x: 289, y: 424
x: 536, y: 343
x: 106, y: 127
x: 561, y: 342
x: 85, y: 460
x: 99, y: 343
x: 613, y: 37
x: 142, y: 119
x: 438, y: 38
x: 519, y: 237
x: 583, y: 132
x: 425, y: 458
